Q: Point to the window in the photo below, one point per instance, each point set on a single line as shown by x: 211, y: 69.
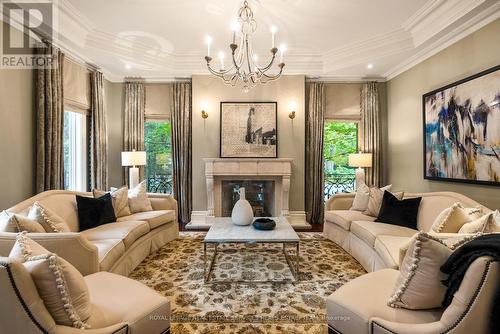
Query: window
x: 340, y: 140
x: 75, y: 151
x: 157, y: 142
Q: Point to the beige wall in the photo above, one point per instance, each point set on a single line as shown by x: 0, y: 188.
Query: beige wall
x: 17, y: 136
x: 212, y: 91
x: 113, y: 99
x: 477, y: 52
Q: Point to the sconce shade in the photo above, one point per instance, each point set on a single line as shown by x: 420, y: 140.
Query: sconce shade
x: 360, y: 160
x: 134, y: 158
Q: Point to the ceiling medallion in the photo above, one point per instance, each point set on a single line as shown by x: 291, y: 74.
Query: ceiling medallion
x: 244, y: 65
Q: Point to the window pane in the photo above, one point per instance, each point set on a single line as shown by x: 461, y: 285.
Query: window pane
x: 340, y: 140
x: 75, y: 151
x: 157, y: 142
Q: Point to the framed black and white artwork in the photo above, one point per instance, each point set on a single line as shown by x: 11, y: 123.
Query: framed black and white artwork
x: 248, y: 130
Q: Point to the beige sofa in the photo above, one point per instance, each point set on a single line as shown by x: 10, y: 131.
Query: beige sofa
x: 377, y: 245
x: 360, y: 306
x: 118, y: 305
x: 116, y: 247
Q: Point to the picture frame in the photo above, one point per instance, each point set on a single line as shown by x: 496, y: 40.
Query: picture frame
x: 461, y: 130
x: 249, y: 130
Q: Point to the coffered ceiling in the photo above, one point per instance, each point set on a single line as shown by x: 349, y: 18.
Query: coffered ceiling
x: 332, y: 39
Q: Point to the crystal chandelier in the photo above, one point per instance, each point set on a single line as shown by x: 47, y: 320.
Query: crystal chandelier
x: 244, y: 62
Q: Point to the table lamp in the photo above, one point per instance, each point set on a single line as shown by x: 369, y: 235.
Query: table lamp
x: 133, y: 159
x: 360, y: 160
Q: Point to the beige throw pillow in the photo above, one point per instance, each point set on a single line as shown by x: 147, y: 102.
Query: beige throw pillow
x: 375, y: 201
x: 50, y: 221
x: 120, y: 200
x: 61, y: 287
x: 453, y: 218
x: 138, y: 200
x: 13, y: 222
x: 419, y: 285
x: 489, y: 223
x: 362, y: 197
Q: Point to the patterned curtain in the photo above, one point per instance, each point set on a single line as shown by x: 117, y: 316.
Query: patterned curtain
x: 98, y: 134
x: 314, y: 152
x: 50, y: 122
x: 181, y: 148
x: 370, y: 125
x: 133, y: 132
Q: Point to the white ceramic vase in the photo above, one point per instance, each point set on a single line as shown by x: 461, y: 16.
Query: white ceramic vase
x: 242, y: 211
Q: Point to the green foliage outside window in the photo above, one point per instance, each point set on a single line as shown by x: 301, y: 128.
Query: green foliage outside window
x: 340, y: 140
x: 158, y: 146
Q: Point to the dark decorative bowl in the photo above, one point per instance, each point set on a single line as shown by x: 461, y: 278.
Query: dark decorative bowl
x: 264, y: 224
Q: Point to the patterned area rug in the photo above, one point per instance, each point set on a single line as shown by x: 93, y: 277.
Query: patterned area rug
x: 176, y: 271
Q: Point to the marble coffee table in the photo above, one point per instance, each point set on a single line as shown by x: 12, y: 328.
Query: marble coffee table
x: 223, y: 231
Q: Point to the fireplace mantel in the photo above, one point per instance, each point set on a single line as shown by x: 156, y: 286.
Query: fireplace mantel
x: 277, y: 169
x: 281, y: 168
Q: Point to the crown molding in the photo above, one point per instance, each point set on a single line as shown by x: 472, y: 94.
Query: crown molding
x: 437, y: 15
x: 368, y: 50
x: 468, y: 27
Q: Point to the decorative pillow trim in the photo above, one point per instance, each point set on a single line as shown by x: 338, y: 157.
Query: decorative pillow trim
x: 23, y: 242
x: 62, y: 287
x: 46, y: 218
x: 413, y: 268
x: 455, y: 206
x: 464, y: 240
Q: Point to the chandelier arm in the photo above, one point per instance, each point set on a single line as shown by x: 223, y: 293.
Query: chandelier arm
x: 218, y: 73
x: 273, y: 77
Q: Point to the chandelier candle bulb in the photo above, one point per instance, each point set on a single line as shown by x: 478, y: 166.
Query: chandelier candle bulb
x: 208, y: 40
x: 273, y: 32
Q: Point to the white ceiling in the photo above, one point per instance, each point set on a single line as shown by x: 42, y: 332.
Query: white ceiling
x: 332, y: 39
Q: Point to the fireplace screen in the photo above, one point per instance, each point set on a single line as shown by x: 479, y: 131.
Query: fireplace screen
x: 260, y: 195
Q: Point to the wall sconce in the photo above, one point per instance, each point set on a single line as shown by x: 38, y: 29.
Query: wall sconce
x: 204, y: 106
x: 292, y: 107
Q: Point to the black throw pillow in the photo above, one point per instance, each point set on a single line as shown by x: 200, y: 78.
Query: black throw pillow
x: 399, y: 212
x: 93, y: 212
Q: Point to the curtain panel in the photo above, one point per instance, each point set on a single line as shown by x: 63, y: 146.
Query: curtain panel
x: 181, y: 148
x: 371, y: 132
x: 314, y: 152
x: 133, y: 132
x: 98, y: 134
x: 50, y: 122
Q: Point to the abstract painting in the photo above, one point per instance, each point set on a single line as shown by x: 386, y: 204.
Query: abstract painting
x: 248, y: 130
x: 462, y: 130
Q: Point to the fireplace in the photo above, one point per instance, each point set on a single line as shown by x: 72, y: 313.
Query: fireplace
x: 259, y: 193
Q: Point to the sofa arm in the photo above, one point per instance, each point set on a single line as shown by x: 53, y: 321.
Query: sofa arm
x: 163, y: 202
x: 120, y: 328
x: 340, y: 202
x: 71, y: 246
x: 381, y: 326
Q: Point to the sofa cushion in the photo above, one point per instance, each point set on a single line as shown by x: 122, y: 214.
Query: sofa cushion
x: 144, y: 310
x: 109, y: 251
x: 399, y: 212
x: 368, y: 231
x: 93, y: 212
x: 389, y: 248
x: 138, y: 200
x: 351, y: 307
x: 344, y: 218
x: 127, y: 231
x: 154, y: 218
x: 120, y: 200
x: 60, y: 285
x: 46, y: 217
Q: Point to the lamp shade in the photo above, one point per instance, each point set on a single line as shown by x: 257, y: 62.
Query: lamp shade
x: 360, y: 160
x: 134, y: 158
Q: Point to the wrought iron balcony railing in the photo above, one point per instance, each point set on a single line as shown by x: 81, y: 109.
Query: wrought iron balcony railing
x: 159, y: 184
x: 338, y: 183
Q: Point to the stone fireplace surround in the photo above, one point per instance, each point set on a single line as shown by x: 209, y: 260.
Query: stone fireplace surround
x: 278, y: 170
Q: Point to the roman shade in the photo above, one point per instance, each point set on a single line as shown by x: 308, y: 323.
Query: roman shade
x: 342, y: 101
x: 158, y: 101
x: 76, y: 85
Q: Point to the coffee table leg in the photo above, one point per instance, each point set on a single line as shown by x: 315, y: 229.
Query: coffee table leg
x: 211, y: 263
x: 297, y: 261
